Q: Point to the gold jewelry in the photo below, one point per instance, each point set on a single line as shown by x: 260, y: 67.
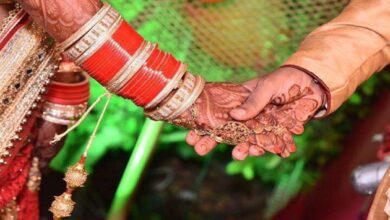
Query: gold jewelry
x: 185, y: 123
x: 184, y: 91
x: 172, y: 85
x: 189, y: 100
x: 231, y: 133
x: 85, y: 28
x: 95, y: 37
x: 24, y: 74
x: 62, y: 114
x: 101, y: 26
x: 62, y: 206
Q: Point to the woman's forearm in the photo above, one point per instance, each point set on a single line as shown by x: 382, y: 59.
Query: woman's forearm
x: 61, y: 18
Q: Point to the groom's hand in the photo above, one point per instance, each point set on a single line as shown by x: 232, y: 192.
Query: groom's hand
x: 289, y: 96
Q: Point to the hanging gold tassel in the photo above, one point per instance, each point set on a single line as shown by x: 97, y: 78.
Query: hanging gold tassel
x: 76, y: 175
x: 62, y: 206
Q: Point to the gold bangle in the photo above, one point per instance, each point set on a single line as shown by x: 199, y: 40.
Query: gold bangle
x: 89, y: 39
x: 188, y: 101
x: 63, y: 114
x: 85, y: 28
x: 172, y: 84
x: 166, y: 109
x: 99, y: 41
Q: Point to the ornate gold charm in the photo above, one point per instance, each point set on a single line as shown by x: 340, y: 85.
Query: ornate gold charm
x: 232, y: 133
x: 76, y: 176
x: 62, y: 206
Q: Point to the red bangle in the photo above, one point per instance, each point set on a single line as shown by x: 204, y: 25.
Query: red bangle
x: 149, y: 79
x: 119, y: 58
x: 68, y: 93
x: 153, y: 78
x: 105, y: 63
x: 147, y: 98
x: 142, y: 76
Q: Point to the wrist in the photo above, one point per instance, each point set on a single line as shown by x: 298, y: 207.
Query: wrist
x: 319, y: 85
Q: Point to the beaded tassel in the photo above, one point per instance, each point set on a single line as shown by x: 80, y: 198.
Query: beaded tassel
x: 76, y: 175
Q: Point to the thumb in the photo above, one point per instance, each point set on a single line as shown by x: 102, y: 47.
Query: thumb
x: 255, y: 103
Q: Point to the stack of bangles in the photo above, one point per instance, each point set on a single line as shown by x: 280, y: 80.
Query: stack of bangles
x: 65, y: 103
x: 113, y: 53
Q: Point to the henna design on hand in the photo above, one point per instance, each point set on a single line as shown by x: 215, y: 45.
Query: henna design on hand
x: 272, y: 127
x: 61, y: 18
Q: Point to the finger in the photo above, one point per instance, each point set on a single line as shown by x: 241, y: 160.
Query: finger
x: 288, y: 144
x: 269, y: 143
x: 285, y: 154
x: 251, y: 84
x: 205, y: 145
x: 280, y: 146
x: 297, y: 129
x: 256, y: 151
x: 240, y: 152
x: 259, y: 98
x: 192, y: 138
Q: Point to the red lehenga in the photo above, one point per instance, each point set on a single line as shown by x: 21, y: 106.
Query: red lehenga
x: 27, y: 62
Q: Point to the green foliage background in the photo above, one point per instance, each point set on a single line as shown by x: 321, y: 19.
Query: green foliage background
x: 319, y: 143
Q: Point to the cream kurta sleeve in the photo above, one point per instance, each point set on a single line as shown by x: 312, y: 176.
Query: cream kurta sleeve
x: 348, y: 50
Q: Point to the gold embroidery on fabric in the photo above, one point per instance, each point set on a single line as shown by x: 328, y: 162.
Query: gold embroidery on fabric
x: 10, y: 211
x: 16, y: 65
x: 22, y: 80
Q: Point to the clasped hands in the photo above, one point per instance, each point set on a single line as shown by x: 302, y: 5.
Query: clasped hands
x: 259, y: 116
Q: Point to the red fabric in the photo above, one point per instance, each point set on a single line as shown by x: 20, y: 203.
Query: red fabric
x: 17, y: 146
x: 28, y: 203
x: 16, y: 176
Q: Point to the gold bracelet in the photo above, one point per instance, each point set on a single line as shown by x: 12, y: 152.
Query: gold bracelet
x: 62, y: 114
x: 100, y: 28
x: 161, y: 113
x: 172, y: 85
x: 84, y: 29
x: 189, y: 100
x: 101, y: 35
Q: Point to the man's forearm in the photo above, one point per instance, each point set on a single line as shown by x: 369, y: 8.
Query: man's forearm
x: 61, y: 18
x: 348, y: 50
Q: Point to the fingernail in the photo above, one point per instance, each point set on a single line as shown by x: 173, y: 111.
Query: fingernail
x: 240, y: 111
x: 201, y: 150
